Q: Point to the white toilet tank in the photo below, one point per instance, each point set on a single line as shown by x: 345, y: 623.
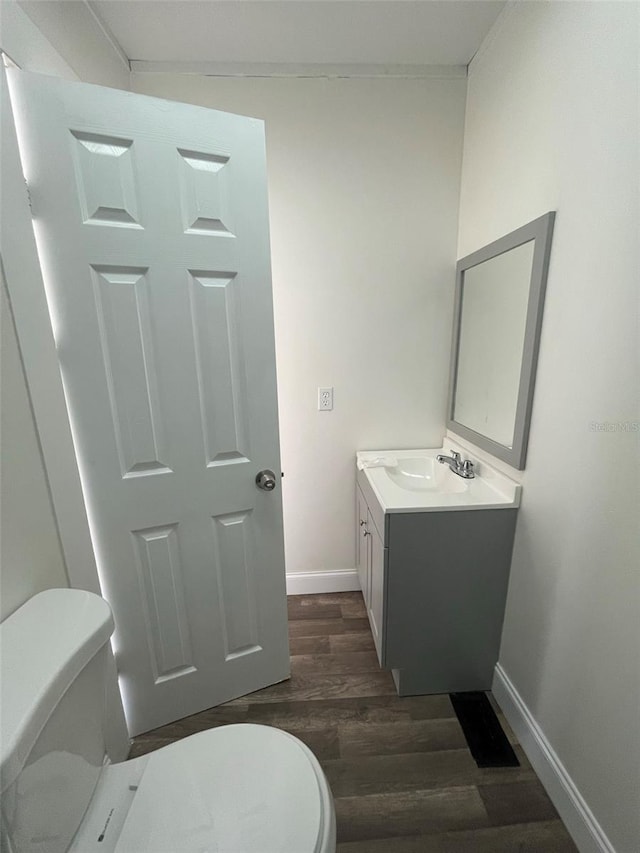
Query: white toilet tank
x: 53, y: 657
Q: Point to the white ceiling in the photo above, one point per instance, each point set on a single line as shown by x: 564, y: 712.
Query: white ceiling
x: 378, y: 32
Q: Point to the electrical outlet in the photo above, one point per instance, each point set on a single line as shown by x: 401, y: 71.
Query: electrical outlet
x: 325, y: 399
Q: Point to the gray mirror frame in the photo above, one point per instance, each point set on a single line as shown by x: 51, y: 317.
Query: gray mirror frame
x: 541, y: 231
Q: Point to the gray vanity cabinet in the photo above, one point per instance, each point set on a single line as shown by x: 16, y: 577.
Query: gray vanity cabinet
x: 434, y: 585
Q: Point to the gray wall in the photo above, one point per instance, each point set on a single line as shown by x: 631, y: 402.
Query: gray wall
x: 552, y: 124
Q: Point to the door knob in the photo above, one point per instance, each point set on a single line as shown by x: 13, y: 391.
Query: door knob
x: 266, y: 480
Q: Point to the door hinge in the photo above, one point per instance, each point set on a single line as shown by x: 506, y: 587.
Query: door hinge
x: 30, y: 199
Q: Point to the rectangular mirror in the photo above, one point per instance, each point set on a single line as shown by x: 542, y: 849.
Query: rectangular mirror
x: 496, y: 334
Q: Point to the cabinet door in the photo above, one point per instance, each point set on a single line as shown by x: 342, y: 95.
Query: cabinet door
x: 375, y: 605
x: 362, y: 545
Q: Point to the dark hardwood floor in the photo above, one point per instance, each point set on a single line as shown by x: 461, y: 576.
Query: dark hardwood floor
x: 401, y: 774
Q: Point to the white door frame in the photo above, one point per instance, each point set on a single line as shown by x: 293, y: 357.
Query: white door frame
x: 28, y: 302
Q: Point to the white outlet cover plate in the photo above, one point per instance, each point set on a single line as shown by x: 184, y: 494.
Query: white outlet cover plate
x: 325, y: 399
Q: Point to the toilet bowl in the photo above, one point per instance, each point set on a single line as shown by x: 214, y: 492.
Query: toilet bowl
x: 234, y: 789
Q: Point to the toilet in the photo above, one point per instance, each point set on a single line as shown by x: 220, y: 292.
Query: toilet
x: 234, y: 789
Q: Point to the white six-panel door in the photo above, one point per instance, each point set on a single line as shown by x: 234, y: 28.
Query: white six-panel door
x: 152, y: 228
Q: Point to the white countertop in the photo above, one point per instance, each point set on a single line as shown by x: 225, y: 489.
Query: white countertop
x: 436, y: 488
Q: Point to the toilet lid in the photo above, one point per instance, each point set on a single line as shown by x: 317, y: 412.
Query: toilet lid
x: 236, y: 788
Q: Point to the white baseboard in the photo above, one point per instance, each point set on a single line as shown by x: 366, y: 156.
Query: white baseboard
x: 308, y: 583
x: 572, y: 808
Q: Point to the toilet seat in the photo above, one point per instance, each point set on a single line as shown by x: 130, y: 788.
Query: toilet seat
x: 235, y: 789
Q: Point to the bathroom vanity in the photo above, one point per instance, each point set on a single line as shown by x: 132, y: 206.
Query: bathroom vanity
x: 433, y: 557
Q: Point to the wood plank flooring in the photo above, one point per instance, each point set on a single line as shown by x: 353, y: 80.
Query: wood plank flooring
x: 401, y: 774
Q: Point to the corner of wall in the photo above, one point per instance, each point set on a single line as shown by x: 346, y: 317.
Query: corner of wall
x: 65, y: 39
x: 565, y: 795
x: 494, y: 33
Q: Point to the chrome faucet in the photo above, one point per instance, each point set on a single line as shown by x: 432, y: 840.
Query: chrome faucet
x: 463, y: 468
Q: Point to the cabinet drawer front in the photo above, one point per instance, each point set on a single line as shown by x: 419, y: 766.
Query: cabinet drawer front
x: 375, y: 510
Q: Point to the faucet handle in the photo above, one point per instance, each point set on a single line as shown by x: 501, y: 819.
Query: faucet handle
x: 467, y: 468
x: 455, y: 456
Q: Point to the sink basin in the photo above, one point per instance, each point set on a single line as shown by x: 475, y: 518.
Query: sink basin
x: 425, y: 474
x: 414, y: 481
